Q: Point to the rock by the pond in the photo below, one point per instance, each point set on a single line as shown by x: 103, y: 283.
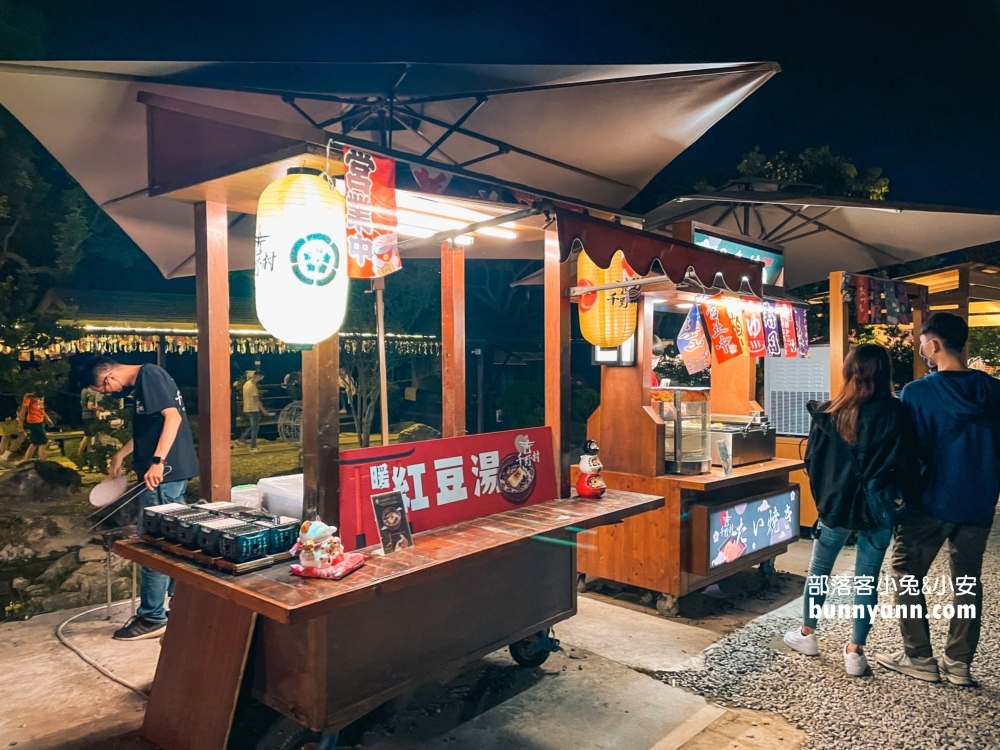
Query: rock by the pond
x: 63, y: 601
x: 416, y: 432
x: 40, y: 481
x: 92, y: 553
x: 89, y: 575
x: 60, y: 568
x: 36, y: 535
x: 11, y: 552
x: 20, y: 583
x: 37, y: 589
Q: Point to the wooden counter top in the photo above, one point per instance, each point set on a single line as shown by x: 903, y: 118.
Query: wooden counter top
x: 716, y: 480
x: 277, y: 594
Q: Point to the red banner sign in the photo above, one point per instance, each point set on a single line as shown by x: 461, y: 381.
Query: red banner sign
x: 446, y: 481
x: 371, y: 215
x: 788, y: 329
x: 756, y: 342
x: 725, y: 338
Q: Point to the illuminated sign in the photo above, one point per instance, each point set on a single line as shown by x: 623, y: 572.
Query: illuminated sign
x: 774, y: 262
x: 753, y: 525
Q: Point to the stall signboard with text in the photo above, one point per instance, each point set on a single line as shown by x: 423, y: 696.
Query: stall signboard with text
x: 446, y: 481
x: 774, y: 262
x: 753, y: 525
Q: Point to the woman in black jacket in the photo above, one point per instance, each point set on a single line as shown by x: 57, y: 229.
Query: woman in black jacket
x: 862, y: 437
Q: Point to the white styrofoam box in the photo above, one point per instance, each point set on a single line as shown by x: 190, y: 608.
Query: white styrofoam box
x: 246, y: 495
x: 789, y: 384
x: 283, y: 495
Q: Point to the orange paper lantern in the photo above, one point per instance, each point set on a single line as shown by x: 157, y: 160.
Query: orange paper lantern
x: 607, y: 317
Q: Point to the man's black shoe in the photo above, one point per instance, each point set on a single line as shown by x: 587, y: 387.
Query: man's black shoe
x: 139, y: 628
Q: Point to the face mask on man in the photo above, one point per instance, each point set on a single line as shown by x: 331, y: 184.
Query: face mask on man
x: 927, y: 361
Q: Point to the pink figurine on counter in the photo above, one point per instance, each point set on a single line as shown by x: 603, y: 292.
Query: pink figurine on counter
x: 590, y: 485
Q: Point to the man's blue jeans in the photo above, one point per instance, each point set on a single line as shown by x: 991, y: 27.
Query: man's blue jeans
x: 253, y: 428
x: 153, y: 592
x: 868, y: 562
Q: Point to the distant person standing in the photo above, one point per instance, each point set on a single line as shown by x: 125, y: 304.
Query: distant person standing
x: 90, y: 407
x: 957, y: 416
x: 34, y: 416
x: 252, y: 408
x: 161, y: 446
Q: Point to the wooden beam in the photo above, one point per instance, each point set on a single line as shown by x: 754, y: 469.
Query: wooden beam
x: 321, y: 430
x: 452, y: 340
x: 211, y: 250
x: 557, y: 358
x: 839, y: 332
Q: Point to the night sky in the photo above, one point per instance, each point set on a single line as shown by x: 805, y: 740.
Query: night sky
x: 911, y: 87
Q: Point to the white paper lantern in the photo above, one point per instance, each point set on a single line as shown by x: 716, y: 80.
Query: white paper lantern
x: 300, y: 269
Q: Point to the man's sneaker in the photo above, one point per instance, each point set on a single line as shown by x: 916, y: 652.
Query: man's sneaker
x: 957, y: 673
x: 804, y: 644
x: 855, y: 663
x: 240, y: 443
x: 139, y: 629
x: 922, y: 668
x: 255, y: 450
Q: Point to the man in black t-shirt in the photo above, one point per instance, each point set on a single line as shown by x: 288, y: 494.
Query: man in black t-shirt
x: 161, y: 446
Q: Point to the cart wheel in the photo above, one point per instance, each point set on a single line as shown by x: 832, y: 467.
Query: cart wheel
x: 767, y: 568
x: 666, y: 604
x: 585, y: 583
x: 533, y: 650
x: 290, y: 735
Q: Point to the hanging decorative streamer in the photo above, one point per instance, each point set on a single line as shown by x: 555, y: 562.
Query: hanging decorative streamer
x: 903, y: 298
x: 756, y: 343
x: 863, y: 301
x: 800, y: 314
x: 771, y: 335
x: 735, y: 309
x: 725, y: 340
x: 891, y: 303
x: 925, y: 302
x: 788, y: 329
x: 692, y: 343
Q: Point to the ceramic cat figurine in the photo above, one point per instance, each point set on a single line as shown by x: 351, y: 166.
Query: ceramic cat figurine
x: 318, y: 546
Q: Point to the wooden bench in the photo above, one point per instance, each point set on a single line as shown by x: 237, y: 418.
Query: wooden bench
x: 62, y: 437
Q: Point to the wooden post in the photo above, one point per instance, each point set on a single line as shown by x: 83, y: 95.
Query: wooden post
x: 321, y: 430
x: 963, y: 293
x: 161, y: 351
x: 452, y: 340
x: 211, y: 250
x: 557, y: 357
x: 839, y: 331
x: 917, y: 317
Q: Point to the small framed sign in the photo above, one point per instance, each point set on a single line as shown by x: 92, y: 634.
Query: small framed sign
x: 393, y: 525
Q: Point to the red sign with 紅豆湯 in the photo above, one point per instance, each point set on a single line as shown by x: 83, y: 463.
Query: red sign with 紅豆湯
x: 446, y: 481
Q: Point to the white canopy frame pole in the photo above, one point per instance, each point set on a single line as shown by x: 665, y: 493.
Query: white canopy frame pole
x: 378, y: 284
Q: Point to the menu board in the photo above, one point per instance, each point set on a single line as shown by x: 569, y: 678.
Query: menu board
x: 753, y: 525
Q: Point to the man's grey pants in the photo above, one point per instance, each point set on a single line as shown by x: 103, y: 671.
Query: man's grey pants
x: 918, y: 540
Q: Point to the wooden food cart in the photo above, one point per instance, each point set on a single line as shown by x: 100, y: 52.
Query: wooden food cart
x: 668, y: 551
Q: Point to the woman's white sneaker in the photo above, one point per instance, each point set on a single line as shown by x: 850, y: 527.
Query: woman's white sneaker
x: 804, y: 644
x: 855, y: 663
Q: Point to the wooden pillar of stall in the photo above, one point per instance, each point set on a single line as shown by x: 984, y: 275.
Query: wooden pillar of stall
x: 452, y: 340
x: 839, y: 332
x: 557, y: 358
x: 211, y: 249
x: 321, y: 430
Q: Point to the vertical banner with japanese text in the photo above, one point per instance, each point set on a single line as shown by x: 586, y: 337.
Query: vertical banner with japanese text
x: 446, y: 481
x: 801, y: 330
x: 724, y: 337
x: 756, y: 343
x: 692, y: 343
x: 370, y: 182
x: 772, y: 336
x: 788, y: 329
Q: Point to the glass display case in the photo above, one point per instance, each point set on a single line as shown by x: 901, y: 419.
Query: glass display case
x: 687, y: 415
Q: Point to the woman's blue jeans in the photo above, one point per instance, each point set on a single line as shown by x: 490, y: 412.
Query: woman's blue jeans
x: 153, y: 591
x: 868, y: 562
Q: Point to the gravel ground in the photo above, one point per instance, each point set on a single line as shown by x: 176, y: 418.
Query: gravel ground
x: 884, y: 710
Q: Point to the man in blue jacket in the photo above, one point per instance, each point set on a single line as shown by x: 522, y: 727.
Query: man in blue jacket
x: 957, y: 416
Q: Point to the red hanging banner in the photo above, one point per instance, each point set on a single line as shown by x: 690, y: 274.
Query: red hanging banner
x: 862, y: 301
x: 372, y: 249
x: 725, y: 338
x: 446, y: 481
x: 756, y: 343
x: 788, y: 337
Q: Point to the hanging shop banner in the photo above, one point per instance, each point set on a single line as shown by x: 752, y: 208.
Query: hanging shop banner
x: 735, y: 309
x: 692, y: 343
x: 788, y: 329
x: 800, y: 314
x: 754, y: 326
x: 444, y: 482
x: 769, y: 317
x: 862, y: 303
x: 370, y: 182
x: 891, y: 303
x: 905, y: 310
x: 725, y: 340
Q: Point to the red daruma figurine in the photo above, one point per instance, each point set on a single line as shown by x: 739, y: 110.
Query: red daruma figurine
x: 590, y: 485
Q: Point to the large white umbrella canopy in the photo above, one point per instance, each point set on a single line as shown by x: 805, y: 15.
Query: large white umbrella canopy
x: 819, y: 235
x: 593, y: 135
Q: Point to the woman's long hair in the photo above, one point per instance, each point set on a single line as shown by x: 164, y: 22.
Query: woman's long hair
x: 867, y: 375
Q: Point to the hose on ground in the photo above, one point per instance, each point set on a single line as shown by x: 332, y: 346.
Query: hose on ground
x: 107, y: 673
